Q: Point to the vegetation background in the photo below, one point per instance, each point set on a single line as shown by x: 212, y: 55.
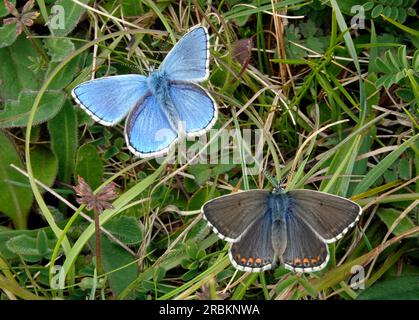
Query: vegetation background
x: 337, y: 98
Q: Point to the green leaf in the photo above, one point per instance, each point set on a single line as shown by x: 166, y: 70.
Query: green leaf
x: 191, y: 249
x: 58, y: 48
x: 405, y: 94
x: 382, y: 66
x: 389, y: 215
x: 25, y: 247
x: 159, y: 274
x: 415, y: 61
x: 382, y: 166
x: 62, y: 24
x: 7, y: 35
x: 411, y: 12
x: 387, y: 11
x: 401, y: 57
x: 115, y: 257
x: 198, y: 199
x: 368, y: 5
x: 391, y: 61
x: 89, y: 165
x: 397, y: 288
x: 44, y: 165
x: 42, y: 243
x: 65, y: 76
x: 402, y: 15
x: 15, y: 73
x: 15, y: 196
x: 189, y: 275
x: 394, y: 14
x: 3, y: 10
x: 127, y: 229
x: 64, y: 140
x: 377, y: 11
x: 16, y: 113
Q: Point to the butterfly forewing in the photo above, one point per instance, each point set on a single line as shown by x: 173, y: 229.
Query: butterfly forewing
x: 189, y: 58
x: 254, y: 251
x: 330, y: 216
x: 108, y: 100
x: 305, y: 251
x: 231, y: 215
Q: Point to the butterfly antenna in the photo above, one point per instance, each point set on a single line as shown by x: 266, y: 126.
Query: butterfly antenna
x: 159, y: 54
x: 284, y: 181
x: 271, y: 179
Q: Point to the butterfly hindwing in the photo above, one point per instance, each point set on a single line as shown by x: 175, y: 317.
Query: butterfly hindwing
x: 189, y: 58
x: 197, y: 110
x: 329, y: 215
x: 305, y: 251
x: 230, y: 215
x: 147, y: 130
x: 254, y: 251
x: 108, y: 100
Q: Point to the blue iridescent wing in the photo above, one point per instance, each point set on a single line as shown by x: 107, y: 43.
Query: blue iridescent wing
x: 196, y: 108
x: 108, y: 100
x: 254, y: 251
x: 189, y: 58
x: 329, y: 215
x: 147, y: 130
x: 305, y: 250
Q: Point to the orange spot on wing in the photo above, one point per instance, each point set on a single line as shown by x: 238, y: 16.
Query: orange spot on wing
x: 251, y: 260
x: 258, y: 261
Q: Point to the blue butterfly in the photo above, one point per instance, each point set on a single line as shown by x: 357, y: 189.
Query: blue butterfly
x: 293, y: 227
x: 161, y: 108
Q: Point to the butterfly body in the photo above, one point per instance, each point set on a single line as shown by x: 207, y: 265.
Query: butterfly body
x: 162, y: 107
x: 159, y: 86
x: 293, y: 227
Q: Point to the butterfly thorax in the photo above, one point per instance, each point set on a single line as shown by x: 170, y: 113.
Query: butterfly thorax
x: 159, y: 86
x: 279, y: 203
x: 158, y: 83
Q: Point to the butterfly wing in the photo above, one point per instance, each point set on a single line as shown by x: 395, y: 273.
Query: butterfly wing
x: 147, y: 130
x: 254, y: 251
x: 189, y: 58
x: 328, y: 215
x: 229, y: 216
x: 108, y: 100
x: 305, y: 251
x: 196, y: 108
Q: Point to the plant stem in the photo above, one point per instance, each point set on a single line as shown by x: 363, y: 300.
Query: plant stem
x: 97, y: 238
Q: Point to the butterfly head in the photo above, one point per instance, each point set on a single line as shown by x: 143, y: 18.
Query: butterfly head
x: 277, y: 190
x: 151, y: 68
